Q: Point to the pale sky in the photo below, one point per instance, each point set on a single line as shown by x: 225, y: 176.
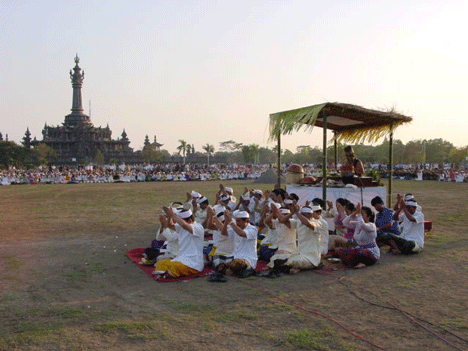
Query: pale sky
x: 211, y: 71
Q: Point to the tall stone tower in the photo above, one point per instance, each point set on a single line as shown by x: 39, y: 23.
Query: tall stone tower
x: 77, y: 140
x: 77, y: 117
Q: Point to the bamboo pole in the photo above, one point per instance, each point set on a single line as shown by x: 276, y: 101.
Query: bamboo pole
x: 279, y: 160
x: 324, y: 161
x: 390, y: 168
x: 335, y: 144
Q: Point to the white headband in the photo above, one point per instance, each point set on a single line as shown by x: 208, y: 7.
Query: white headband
x: 241, y: 214
x: 306, y: 209
x: 184, y: 214
x: 201, y: 199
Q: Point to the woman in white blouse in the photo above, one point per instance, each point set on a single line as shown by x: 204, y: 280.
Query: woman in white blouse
x: 365, y: 251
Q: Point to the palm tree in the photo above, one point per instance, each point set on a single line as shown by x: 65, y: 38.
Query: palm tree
x: 255, y: 150
x: 209, y: 149
x: 183, y: 148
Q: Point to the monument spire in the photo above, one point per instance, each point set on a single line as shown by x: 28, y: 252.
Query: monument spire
x: 77, y: 116
x: 77, y: 82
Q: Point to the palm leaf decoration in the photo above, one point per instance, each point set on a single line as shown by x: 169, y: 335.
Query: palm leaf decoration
x: 352, y: 124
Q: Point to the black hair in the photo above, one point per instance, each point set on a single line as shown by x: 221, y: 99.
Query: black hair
x: 376, y: 200
x: 318, y: 202
x: 350, y: 206
x: 280, y: 192
x: 369, y: 213
x: 349, y: 149
x: 294, y: 196
x: 341, y: 201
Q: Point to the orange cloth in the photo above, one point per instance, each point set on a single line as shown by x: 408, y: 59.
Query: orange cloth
x: 175, y: 269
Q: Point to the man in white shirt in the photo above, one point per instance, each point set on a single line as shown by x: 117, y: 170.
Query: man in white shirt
x: 286, y: 237
x: 411, y: 239
x: 200, y: 206
x: 245, y: 243
x: 308, y: 243
x: 311, y: 228
x: 223, y: 245
x: 190, y: 236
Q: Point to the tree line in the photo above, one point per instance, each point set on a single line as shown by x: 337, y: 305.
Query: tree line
x: 417, y: 151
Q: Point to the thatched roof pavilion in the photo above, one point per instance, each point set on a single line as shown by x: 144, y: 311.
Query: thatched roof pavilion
x: 349, y: 123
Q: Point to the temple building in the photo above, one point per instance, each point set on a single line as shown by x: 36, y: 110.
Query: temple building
x: 77, y: 140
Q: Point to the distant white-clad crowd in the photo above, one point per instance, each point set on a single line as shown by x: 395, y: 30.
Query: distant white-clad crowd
x: 176, y: 172
x: 129, y: 173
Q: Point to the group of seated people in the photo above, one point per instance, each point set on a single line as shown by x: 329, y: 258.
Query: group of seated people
x: 127, y: 174
x: 232, y: 235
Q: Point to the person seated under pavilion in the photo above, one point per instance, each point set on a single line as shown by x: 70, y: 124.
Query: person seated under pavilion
x: 352, y: 163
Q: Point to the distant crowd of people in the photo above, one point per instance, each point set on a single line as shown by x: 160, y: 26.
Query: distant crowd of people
x: 129, y: 173
x: 443, y: 175
x: 232, y: 235
x: 177, y: 172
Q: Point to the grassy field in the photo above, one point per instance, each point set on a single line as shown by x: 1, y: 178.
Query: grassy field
x: 66, y: 283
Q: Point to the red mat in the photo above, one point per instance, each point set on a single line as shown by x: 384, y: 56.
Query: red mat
x: 135, y: 256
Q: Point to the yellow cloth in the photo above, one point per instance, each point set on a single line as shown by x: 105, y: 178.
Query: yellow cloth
x: 212, y: 252
x: 175, y: 269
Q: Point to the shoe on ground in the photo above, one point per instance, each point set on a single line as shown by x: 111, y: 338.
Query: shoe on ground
x: 217, y: 278
x: 158, y: 272
x: 271, y: 274
x: 246, y: 273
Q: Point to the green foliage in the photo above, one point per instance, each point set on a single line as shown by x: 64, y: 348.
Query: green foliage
x: 287, y: 156
x: 209, y: 149
x: 12, y: 154
x: 183, y: 148
x: 150, y: 154
x: 44, y: 154
x: 458, y: 155
x: 265, y: 155
x: 250, y: 153
x: 374, y: 174
x: 230, y: 145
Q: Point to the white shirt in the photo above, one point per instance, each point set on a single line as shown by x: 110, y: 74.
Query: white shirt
x: 191, y: 246
x: 286, y: 237
x: 365, y: 234
x: 172, y: 240
x: 413, y: 231
x: 308, y: 242
x: 245, y: 247
x: 200, y: 215
x: 224, y: 243
x: 321, y: 226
